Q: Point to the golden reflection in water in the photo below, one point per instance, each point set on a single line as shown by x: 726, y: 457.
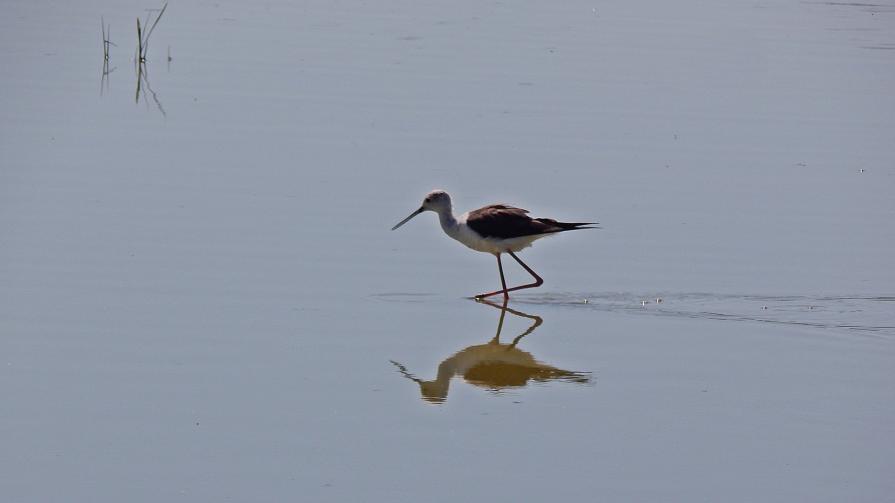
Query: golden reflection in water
x: 495, y: 366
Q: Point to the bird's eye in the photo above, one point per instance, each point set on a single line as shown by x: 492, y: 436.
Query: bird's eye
x: 428, y: 199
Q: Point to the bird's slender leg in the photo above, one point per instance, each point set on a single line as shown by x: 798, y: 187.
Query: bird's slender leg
x: 538, y: 281
x: 503, y: 283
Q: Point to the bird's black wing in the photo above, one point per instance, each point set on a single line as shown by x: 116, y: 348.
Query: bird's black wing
x: 503, y: 222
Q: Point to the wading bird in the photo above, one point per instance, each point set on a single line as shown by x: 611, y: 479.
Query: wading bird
x: 494, y: 229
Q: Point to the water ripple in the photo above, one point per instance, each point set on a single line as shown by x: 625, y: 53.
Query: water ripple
x: 870, y: 314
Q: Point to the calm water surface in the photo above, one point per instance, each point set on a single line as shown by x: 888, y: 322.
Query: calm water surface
x: 200, y: 299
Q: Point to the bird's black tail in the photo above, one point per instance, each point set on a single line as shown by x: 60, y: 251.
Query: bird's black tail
x: 568, y: 226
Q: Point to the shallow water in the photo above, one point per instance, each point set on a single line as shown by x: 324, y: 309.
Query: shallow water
x: 200, y: 298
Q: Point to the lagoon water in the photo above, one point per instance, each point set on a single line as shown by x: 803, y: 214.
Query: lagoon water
x: 200, y: 299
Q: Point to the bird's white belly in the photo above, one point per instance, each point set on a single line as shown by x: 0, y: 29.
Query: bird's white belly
x: 493, y: 245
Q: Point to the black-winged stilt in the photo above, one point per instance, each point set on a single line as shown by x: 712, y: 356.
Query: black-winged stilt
x: 494, y: 229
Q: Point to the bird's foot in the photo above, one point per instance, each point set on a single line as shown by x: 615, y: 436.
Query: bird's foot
x: 483, y: 296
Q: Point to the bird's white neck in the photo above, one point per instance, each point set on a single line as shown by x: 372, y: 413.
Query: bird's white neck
x: 448, y: 222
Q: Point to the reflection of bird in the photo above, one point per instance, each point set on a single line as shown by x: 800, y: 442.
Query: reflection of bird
x: 494, y: 229
x: 494, y: 365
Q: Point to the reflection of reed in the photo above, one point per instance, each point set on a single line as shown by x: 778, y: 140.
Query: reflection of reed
x: 104, y: 80
x: 142, y: 74
x: 143, y: 35
x: 494, y: 365
x: 143, y: 80
x: 107, y: 33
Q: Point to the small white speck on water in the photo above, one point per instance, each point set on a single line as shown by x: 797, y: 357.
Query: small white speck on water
x: 585, y: 301
x: 658, y: 300
x: 862, y: 170
x: 643, y: 303
x: 764, y: 308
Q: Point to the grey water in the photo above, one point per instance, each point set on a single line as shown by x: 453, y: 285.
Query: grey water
x: 201, y: 300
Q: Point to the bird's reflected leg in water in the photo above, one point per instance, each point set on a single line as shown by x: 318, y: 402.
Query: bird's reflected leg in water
x: 503, y: 312
x: 494, y: 365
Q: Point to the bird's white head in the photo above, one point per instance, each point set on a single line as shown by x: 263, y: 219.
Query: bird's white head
x: 438, y: 201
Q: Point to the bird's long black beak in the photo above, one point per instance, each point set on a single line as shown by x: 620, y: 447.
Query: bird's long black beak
x: 402, y: 222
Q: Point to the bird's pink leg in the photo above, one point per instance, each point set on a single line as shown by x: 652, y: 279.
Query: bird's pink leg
x: 503, y: 283
x: 538, y: 281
